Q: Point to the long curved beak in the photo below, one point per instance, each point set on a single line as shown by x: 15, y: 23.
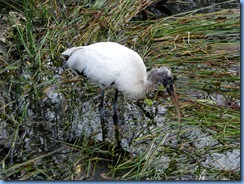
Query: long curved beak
x: 176, y: 103
x: 171, y: 89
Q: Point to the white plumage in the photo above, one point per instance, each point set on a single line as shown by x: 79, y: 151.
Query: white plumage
x: 110, y: 64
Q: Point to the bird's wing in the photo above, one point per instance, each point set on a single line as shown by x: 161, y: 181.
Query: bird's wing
x: 96, y: 66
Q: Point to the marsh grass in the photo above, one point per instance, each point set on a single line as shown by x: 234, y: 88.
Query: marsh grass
x: 37, y: 131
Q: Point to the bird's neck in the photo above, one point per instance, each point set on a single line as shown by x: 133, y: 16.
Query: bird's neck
x: 152, y: 79
x: 149, y: 86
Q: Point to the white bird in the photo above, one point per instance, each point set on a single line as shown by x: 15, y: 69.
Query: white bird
x: 110, y: 64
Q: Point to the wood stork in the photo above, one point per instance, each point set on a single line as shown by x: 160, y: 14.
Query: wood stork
x: 110, y: 64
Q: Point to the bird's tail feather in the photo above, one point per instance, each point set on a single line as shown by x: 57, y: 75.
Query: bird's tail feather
x: 66, y: 54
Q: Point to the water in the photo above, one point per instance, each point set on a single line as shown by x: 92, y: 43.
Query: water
x: 207, y: 6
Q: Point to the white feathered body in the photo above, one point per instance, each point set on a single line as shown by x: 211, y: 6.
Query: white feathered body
x: 109, y: 64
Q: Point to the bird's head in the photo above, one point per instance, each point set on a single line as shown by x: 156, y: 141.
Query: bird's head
x: 163, y: 76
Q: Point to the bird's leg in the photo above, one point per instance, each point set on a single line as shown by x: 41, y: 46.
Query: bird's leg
x: 102, y: 116
x: 115, y: 118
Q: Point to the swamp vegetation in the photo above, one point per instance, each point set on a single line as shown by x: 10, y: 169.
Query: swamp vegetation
x: 49, y: 118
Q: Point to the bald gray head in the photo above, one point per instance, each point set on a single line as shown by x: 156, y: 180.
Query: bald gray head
x: 163, y: 76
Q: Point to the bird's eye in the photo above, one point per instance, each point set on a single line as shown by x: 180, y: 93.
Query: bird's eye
x: 169, y: 79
